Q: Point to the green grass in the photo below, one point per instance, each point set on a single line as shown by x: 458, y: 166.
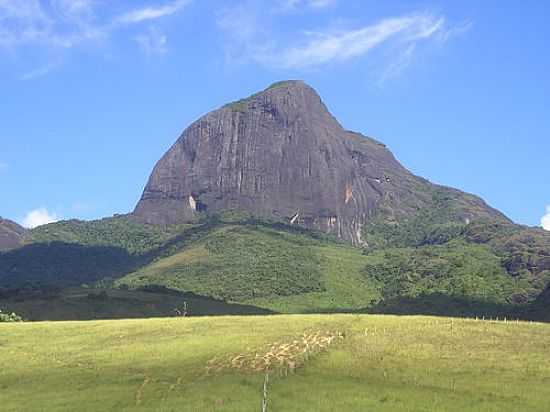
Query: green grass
x: 345, y: 287
x: 385, y: 363
x: 238, y: 263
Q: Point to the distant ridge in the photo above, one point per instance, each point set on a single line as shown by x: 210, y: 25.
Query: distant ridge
x: 11, y: 234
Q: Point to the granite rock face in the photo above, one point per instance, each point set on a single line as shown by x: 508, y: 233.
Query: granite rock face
x: 280, y: 153
x: 11, y: 234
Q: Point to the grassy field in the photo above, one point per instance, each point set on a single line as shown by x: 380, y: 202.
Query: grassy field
x: 360, y: 363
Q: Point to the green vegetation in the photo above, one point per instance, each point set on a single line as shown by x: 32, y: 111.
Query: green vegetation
x: 270, y: 266
x: 10, y: 317
x: 438, y: 251
x: 237, y: 263
x: 438, y: 223
x: 344, y: 285
x: 525, y: 252
x: 72, y: 253
x: 455, y: 268
x: 243, y: 104
x: 282, y: 83
x: 118, y: 232
x: 62, y: 264
x: 88, y: 304
x: 429, y: 263
x: 384, y: 363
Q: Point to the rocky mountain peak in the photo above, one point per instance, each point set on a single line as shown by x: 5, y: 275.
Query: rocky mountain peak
x: 280, y: 153
x: 287, y: 101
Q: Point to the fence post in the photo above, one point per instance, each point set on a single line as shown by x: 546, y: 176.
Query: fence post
x: 264, y: 399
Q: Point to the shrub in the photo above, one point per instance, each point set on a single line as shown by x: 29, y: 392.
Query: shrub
x: 10, y: 317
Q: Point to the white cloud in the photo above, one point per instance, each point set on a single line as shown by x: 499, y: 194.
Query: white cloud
x: 67, y: 23
x: 152, y: 42
x: 545, y: 220
x: 30, y: 10
x: 246, y: 35
x: 321, y: 3
x: 398, y: 64
x: 3, y: 166
x: 288, y: 5
x: 39, y: 72
x: 74, y: 7
x: 151, y: 13
x: 396, y: 40
x: 457, y: 30
x: 21, y: 21
x: 39, y: 217
x: 59, y: 25
x: 64, y: 24
x: 323, y: 48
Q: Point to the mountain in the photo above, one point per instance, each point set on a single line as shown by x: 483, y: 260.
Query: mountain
x: 281, y: 154
x: 11, y: 234
x: 268, y: 204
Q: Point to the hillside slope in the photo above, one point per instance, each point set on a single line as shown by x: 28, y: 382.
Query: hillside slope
x: 11, y: 234
x: 418, y: 266
x: 270, y: 267
x: 264, y: 265
x: 373, y: 363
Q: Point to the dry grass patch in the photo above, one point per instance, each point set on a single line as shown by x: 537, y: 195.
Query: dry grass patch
x: 279, y: 356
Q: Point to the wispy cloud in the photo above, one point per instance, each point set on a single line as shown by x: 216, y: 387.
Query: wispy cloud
x: 3, y: 167
x: 288, y: 5
x: 39, y: 217
x: 77, y: 11
x: 152, y: 42
x: 397, y: 65
x: 545, y: 220
x: 322, y: 48
x: 398, y: 40
x: 151, y: 13
x: 456, y: 30
x: 64, y: 24
x: 246, y: 37
x: 58, y: 25
x: 40, y: 71
x: 30, y: 10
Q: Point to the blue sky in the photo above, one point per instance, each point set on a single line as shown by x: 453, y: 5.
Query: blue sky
x: 94, y: 91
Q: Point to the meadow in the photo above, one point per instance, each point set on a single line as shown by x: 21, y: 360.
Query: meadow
x: 314, y: 362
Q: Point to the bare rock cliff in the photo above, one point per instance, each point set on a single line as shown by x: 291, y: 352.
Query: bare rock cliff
x: 280, y: 153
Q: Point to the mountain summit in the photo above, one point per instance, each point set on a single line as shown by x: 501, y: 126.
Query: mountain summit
x: 280, y: 153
